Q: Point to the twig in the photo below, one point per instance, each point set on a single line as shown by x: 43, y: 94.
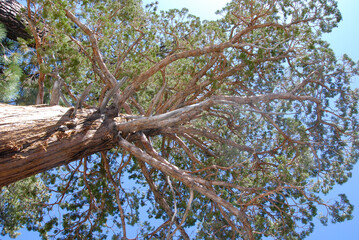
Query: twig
x: 175, y: 206
x: 188, y: 208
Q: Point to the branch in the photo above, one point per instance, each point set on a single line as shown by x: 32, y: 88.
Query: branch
x: 117, y: 193
x: 138, y: 81
x: 160, y: 199
x: 188, y: 113
x: 81, y: 99
x: 112, y: 93
x: 122, y: 58
x: 196, y: 183
x: 202, y: 132
x: 56, y: 93
x: 188, y: 208
x: 175, y: 206
x: 97, y: 54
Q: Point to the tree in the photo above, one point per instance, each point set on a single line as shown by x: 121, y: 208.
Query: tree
x: 15, y: 23
x: 237, y: 126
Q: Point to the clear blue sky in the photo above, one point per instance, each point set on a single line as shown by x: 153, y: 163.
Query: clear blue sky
x: 344, y: 39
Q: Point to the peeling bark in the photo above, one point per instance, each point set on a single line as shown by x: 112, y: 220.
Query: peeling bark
x: 37, y: 138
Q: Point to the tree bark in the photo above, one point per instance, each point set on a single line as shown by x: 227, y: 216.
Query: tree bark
x: 37, y: 138
x: 11, y: 15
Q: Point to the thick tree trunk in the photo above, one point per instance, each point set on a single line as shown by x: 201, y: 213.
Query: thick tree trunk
x: 11, y: 15
x: 37, y: 138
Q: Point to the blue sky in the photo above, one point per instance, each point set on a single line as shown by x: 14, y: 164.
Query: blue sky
x: 344, y: 39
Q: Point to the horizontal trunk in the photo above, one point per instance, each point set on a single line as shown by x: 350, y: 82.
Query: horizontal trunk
x: 37, y: 138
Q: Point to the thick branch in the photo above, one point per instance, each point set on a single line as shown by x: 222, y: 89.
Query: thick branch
x: 187, y: 113
x: 37, y: 138
x: 188, y: 180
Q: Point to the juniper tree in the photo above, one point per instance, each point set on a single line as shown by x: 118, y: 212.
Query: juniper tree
x: 234, y: 127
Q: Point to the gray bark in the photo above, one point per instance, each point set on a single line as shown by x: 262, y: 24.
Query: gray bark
x: 12, y: 15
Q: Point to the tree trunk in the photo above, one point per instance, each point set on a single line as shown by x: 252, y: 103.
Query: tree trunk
x: 11, y: 15
x: 37, y: 138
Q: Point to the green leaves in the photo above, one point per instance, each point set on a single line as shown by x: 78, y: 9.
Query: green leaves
x: 21, y: 205
x: 269, y: 158
x: 10, y: 71
x: 2, y: 32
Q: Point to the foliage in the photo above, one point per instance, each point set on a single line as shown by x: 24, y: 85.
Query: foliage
x: 269, y: 123
x: 21, y: 205
x: 10, y: 70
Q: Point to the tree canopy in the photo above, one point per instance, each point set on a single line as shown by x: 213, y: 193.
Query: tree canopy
x: 226, y: 129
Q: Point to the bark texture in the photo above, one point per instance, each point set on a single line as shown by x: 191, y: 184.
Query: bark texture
x: 37, y: 138
x: 11, y: 15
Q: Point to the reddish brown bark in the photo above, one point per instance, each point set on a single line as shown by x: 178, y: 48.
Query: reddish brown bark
x: 37, y: 138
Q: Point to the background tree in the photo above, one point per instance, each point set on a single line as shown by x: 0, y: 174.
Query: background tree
x: 236, y: 126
